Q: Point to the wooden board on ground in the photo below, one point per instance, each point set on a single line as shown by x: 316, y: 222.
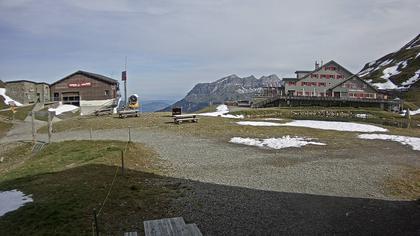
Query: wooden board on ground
x: 127, y: 113
x: 170, y: 227
x: 181, y: 118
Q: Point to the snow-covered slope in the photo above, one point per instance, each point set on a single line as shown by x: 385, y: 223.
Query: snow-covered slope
x: 6, y: 99
x: 398, y: 70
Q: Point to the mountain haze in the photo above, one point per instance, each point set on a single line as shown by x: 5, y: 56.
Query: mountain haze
x: 230, y: 88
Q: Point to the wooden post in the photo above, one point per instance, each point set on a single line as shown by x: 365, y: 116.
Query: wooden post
x: 129, y: 134
x: 33, y: 127
x: 90, y: 133
x: 96, y: 222
x: 50, y: 114
x: 122, y: 162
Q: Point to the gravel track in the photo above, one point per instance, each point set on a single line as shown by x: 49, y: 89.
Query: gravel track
x: 311, y: 169
x: 239, y: 190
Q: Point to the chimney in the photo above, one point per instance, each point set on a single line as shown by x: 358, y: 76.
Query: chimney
x: 316, y: 65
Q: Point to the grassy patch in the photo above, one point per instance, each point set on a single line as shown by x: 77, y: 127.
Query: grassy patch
x: 4, y: 127
x: 21, y: 113
x: 13, y: 156
x: 211, y: 127
x: 64, y: 155
x: 68, y: 180
x: 406, y: 186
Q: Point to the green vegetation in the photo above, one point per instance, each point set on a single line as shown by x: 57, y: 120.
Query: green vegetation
x: 69, y: 180
x: 413, y: 96
x: 21, y: 112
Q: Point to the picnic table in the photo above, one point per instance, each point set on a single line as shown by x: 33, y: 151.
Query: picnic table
x: 178, y: 119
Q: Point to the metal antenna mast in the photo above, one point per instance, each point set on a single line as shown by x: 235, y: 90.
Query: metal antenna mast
x: 125, y: 82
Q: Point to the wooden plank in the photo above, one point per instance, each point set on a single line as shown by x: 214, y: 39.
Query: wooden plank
x: 185, y: 116
x: 185, y: 119
x: 130, y: 234
x: 193, y: 230
x: 165, y: 227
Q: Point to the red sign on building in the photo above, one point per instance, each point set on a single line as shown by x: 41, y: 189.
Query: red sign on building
x: 79, y: 85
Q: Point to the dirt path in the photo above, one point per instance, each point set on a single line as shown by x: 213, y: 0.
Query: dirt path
x: 312, y: 170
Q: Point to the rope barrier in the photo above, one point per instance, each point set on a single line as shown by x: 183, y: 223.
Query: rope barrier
x: 109, y: 190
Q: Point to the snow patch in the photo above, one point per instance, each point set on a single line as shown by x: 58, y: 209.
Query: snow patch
x: 12, y: 200
x: 335, y: 125
x: 390, y: 71
x: 63, y: 108
x: 257, y: 123
x: 7, y: 99
x: 222, y: 111
x: 275, y: 143
x: 405, y: 140
x: 385, y: 63
x: 386, y: 85
x: 248, y: 90
x: 272, y: 119
x: 403, y: 113
x: 412, y: 80
x: 363, y: 116
x: 324, y: 125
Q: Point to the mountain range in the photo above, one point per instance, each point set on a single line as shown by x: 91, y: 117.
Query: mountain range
x: 230, y: 88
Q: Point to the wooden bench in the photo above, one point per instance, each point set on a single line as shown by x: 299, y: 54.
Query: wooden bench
x: 127, y: 113
x: 170, y: 227
x: 178, y: 119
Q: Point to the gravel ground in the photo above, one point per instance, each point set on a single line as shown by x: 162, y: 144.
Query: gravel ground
x: 311, y: 169
x: 241, y: 190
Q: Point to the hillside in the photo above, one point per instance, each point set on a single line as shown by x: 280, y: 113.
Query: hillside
x: 154, y: 105
x: 398, y: 70
x: 228, y: 88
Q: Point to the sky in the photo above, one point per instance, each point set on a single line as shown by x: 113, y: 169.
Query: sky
x: 171, y: 45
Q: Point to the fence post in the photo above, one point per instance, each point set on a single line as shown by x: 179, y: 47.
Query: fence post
x: 33, y: 127
x: 50, y: 114
x: 122, y: 162
x: 90, y: 133
x: 96, y: 222
x: 129, y: 134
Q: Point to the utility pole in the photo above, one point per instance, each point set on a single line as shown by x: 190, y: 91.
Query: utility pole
x: 125, y: 82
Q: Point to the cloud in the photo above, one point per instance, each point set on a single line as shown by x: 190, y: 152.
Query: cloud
x: 175, y: 44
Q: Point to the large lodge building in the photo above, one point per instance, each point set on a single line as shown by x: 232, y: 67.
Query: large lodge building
x: 328, y: 84
x: 330, y: 80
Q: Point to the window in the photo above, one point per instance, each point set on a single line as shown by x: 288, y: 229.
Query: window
x: 323, y: 76
x: 292, y: 83
x: 339, y: 76
x: 314, y: 76
x: 106, y: 92
x: 321, y: 84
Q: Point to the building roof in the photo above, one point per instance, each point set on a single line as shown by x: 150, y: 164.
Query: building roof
x: 289, y: 79
x: 303, y: 71
x: 352, y: 77
x: 326, y: 64
x: 23, y: 81
x: 90, y: 75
